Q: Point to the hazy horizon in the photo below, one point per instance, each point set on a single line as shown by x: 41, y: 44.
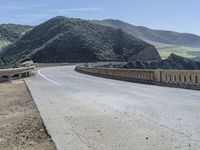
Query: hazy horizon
x: 170, y: 15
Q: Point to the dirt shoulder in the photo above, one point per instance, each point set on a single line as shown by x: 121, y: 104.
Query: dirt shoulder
x: 21, y: 126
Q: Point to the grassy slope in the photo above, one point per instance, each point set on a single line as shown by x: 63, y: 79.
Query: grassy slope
x: 147, y: 34
x: 11, y: 32
x: 3, y: 43
x: 166, y: 49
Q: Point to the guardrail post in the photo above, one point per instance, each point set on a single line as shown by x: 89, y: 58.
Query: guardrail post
x: 157, y: 75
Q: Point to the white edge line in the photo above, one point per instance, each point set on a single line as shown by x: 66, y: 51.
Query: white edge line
x: 54, y: 82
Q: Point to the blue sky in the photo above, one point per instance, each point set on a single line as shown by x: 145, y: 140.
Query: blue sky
x: 176, y: 15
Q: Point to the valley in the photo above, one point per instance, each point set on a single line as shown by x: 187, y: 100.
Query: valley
x: 166, y: 49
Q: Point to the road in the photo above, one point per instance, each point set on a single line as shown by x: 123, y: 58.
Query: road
x: 83, y: 112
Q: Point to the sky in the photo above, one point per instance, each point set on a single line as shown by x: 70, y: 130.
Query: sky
x: 175, y: 15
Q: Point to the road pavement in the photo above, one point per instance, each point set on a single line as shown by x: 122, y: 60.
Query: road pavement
x: 83, y: 112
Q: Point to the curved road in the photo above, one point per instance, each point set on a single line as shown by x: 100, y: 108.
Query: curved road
x: 83, y: 112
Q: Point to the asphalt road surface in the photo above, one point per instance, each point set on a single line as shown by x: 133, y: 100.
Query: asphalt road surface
x: 83, y: 112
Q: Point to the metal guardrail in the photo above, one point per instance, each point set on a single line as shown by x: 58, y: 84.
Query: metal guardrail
x: 14, y: 71
x: 23, y: 69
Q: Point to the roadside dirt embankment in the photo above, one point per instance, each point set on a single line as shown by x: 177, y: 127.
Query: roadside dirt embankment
x: 21, y: 127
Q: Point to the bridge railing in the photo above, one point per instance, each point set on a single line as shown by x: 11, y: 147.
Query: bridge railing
x: 181, y: 76
x: 177, y: 78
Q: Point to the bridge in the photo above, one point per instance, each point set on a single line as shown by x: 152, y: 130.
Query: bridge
x: 87, y: 112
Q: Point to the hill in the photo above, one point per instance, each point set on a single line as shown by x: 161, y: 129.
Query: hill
x: 165, y: 41
x: 74, y: 40
x: 11, y: 32
x: 172, y: 62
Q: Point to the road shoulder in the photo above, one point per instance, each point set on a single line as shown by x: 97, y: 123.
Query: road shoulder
x: 21, y: 126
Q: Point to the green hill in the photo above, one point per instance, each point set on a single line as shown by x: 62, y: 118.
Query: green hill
x: 172, y: 62
x: 74, y: 40
x: 11, y: 32
x: 166, y: 42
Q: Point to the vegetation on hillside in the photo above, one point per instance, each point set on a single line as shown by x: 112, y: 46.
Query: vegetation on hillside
x: 3, y: 43
x: 166, y: 42
x: 74, y: 40
x: 172, y: 62
x: 11, y: 32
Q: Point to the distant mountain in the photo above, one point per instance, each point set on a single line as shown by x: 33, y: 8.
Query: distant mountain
x: 172, y: 62
x: 74, y: 40
x: 161, y: 36
x: 11, y: 32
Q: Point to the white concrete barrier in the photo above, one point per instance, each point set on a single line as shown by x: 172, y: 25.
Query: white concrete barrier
x: 177, y: 78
